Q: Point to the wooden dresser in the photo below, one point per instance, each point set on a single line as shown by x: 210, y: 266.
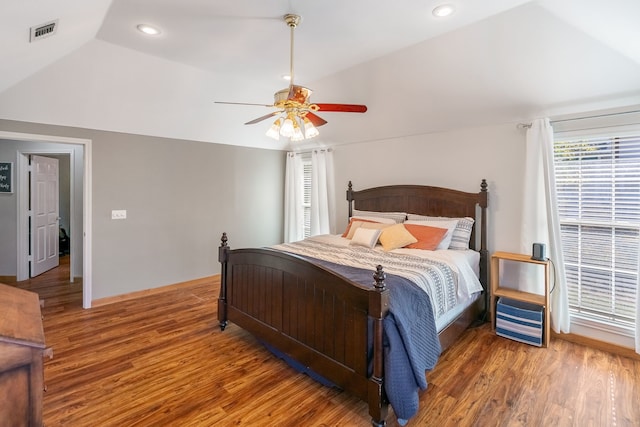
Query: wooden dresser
x: 21, y: 351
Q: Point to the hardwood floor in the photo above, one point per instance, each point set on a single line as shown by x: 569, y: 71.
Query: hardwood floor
x: 162, y: 360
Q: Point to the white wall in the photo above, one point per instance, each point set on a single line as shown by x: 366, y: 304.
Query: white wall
x: 458, y: 159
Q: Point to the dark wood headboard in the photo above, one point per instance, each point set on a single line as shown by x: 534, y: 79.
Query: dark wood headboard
x: 432, y: 201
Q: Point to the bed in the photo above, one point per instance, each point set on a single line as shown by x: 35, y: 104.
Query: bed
x: 329, y: 322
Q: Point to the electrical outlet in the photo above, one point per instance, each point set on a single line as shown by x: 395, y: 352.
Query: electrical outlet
x: 121, y: 214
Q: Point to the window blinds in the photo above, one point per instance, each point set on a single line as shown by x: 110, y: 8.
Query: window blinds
x: 307, y: 169
x: 598, y: 189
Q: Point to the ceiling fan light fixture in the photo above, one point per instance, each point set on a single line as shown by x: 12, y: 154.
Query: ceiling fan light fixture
x: 297, y: 133
x: 294, y: 105
x: 286, y: 129
x: 274, y: 130
x: 310, y: 131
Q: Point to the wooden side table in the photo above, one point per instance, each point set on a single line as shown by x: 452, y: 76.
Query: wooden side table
x: 514, y: 294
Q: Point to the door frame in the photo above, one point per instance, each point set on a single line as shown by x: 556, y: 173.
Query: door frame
x: 22, y: 204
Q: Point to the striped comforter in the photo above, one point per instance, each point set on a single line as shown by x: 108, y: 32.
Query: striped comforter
x: 437, y: 278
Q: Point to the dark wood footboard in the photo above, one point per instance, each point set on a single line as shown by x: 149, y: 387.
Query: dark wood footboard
x: 314, y: 316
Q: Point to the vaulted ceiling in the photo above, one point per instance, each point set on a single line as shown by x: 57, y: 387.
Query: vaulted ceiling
x: 491, y: 62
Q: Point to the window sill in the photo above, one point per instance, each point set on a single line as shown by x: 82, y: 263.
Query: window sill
x: 601, y: 331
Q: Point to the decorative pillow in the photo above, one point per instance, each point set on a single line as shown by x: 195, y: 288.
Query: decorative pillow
x: 367, y: 237
x: 428, y: 237
x: 376, y: 225
x: 348, y: 233
x: 397, y: 217
x: 379, y: 219
x: 396, y: 236
x: 450, y: 225
x: 462, y: 233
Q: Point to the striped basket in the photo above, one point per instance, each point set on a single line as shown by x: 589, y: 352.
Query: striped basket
x: 519, y: 321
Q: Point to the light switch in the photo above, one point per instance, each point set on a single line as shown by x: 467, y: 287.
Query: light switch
x: 121, y: 214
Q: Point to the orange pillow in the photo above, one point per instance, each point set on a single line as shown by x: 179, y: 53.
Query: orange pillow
x: 428, y: 237
x: 351, y: 221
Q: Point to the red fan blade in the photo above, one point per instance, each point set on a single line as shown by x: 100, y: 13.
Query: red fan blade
x: 343, y: 108
x: 259, y: 119
x: 317, y: 121
x: 243, y: 103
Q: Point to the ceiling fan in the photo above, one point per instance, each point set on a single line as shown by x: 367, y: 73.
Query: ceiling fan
x: 297, y: 115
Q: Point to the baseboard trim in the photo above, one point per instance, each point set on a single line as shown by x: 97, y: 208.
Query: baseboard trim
x: 10, y: 279
x: 146, y: 292
x: 600, y: 345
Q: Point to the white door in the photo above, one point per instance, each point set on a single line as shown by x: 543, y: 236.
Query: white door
x: 45, y: 228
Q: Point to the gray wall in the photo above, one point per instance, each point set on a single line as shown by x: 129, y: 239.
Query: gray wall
x: 179, y: 196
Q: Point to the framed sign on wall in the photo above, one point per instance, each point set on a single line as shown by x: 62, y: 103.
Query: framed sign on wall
x: 6, y: 181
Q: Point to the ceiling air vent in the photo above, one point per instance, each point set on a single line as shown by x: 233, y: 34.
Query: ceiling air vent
x: 44, y: 30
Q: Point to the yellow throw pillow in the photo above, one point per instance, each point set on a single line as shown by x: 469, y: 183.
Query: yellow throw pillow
x: 395, y: 237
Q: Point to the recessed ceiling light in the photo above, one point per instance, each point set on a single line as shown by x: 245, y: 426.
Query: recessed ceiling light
x: 148, y: 29
x: 286, y: 77
x: 443, y: 10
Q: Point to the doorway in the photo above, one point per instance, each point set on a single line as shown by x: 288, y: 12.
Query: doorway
x: 85, y: 228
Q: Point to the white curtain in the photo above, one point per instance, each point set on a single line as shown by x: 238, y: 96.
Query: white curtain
x: 322, y: 193
x: 293, y: 198
x: 540, y: 223
x: 638, y: 314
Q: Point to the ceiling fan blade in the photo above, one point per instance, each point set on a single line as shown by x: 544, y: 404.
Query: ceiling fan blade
x: 315, y: 120
x: 343, y: 108
x: 265, y: 117
x: 243, y: 103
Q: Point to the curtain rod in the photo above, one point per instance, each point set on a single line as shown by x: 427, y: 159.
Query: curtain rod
x: 293, y: 153
x: 595, y: 116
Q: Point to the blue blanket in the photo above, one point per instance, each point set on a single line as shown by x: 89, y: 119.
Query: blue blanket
x: 411, y: 339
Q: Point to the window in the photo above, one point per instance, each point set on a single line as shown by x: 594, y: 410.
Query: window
x: 307, y: 174
x: 309, y: 195
x: 598, y: 189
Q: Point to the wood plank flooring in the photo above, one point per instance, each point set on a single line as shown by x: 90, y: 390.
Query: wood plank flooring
x: 161, y: 360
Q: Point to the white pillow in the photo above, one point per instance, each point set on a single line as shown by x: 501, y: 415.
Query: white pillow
x: 397, y: 217
x: 379, y: 219
x: 367, y: 237
x: 450, y: 225
x: 462, y: 233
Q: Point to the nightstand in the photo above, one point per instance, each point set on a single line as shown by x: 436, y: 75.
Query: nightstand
x: 527, y: 297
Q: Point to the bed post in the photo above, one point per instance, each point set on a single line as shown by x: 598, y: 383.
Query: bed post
x: 350, y: 199
x: 378, y: 309
x: 223, y: 254
x: 484, y: 252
